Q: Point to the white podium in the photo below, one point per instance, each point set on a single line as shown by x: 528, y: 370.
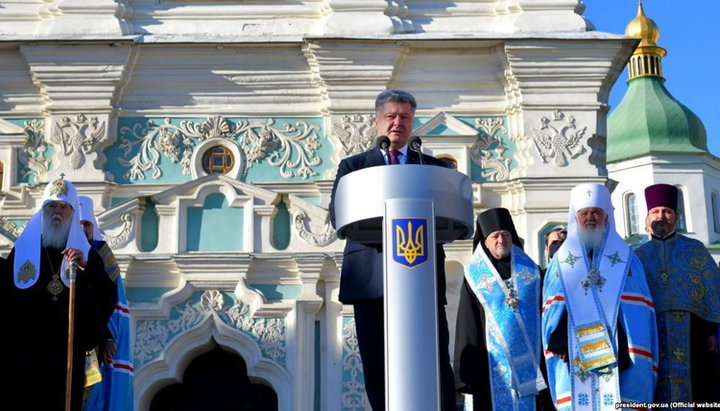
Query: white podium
x: 410, y: 207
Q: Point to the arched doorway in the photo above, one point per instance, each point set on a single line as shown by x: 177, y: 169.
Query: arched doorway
x: 216, y: 381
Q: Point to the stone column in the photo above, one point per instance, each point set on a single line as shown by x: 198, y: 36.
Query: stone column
x: 80, y: 84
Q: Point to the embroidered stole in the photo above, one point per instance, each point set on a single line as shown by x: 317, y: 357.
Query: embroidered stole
x: 115, y: 391
x: 111, y: 266
x: 512, y: 327
x: 674, y: 382
x: 680, y: 273
x: 593, y: 290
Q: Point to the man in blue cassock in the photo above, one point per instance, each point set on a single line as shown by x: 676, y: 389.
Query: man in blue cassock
x: 497, y: 337
x: 598, y: 321
x: 115, y: 391
x: 685, y: 285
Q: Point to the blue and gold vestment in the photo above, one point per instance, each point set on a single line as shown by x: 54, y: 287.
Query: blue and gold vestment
x: 685, y: 285
x: 508, y: 352
x: 612, y: 290
x: 115, y: 391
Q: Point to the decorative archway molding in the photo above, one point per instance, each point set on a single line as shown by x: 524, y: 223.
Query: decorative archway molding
x: 170, y: 367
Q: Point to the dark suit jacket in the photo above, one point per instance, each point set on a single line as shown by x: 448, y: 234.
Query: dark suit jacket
x: 361, y: 277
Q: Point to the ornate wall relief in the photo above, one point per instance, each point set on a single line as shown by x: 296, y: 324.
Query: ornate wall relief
x: 489, y: 149
x: 353, y: 383
x: 77, y: 137
x: 317, y: 240
x: 154, y: 335
x: 355, y: 132
x: 292, y: 149
x: 559, y: 138
x: 121, y: 239
x: 33, y: 154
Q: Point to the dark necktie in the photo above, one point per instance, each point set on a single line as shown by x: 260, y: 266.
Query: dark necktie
x: 394, y: 157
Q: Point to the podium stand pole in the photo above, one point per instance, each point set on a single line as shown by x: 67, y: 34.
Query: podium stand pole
x: 412, y: 379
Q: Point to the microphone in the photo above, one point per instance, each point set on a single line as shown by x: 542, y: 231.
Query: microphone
x: 382, y: 142
x: 414, y: 144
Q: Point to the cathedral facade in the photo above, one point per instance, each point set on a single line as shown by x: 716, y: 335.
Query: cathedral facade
x: 208, y: 135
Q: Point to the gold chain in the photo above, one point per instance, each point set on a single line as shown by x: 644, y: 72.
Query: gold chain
x: 54, y: 286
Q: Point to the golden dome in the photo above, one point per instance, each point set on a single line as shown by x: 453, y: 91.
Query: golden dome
x: 643, y: 27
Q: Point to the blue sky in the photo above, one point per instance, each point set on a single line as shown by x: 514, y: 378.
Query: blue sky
x: 689, y: 31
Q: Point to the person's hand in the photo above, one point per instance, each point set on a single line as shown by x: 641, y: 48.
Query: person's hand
x: 110, y: 350
x: 73, y: 254
x: 561, y: 354
x: 712, y: 344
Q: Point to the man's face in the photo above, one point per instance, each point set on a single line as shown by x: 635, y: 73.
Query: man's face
x: 58, y: 213
x: 590, y: 218
x: 395, y: 120
x: 554, y: 240
x: 87, y: 227
x: 499, y: 243
x: 661, y: 221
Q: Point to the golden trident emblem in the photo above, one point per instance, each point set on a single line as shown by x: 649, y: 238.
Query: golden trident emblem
x: 410, y: 244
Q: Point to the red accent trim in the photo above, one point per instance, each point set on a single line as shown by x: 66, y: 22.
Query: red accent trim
x: 123, y: 366
x: 640, y: 352
x: 639, y: 299
x: 564, y: 400
x: 122, y: 309
x: 551, y: 300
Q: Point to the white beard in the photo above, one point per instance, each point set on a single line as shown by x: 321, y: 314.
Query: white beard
x: 591, y: 238
x: 55, y: 237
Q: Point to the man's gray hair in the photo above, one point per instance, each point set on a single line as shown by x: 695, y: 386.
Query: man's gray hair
x: 394, y: 96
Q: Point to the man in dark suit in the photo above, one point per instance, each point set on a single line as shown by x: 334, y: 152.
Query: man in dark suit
x: 361, y: 279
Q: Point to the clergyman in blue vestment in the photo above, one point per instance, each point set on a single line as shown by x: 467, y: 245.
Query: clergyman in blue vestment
x: 685, y: 285
x: 598, y: 321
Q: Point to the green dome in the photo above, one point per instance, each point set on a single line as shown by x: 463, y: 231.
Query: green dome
x: 650, y: 120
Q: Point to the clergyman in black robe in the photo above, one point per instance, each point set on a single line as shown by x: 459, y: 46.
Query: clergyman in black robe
x: 471, y: 363
x: 34, y: 296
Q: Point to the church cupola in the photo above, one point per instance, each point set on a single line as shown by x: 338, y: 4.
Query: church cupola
x: 649, y: 120
x: 647, y: 59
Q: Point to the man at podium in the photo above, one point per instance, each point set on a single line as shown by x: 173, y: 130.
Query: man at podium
x: 361, y: 277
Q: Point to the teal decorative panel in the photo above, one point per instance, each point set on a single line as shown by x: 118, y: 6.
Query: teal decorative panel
x: 281, y: 227
x: 215, y: 227
x: 313, y: 200
x: 146, y: 295
x: 115, y: 201
x: 493, y: 152
x: 276, y: 149
x: 34, y: 157
x: 153, y: 336
x: 149, y: 227
x: 277, y: 292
